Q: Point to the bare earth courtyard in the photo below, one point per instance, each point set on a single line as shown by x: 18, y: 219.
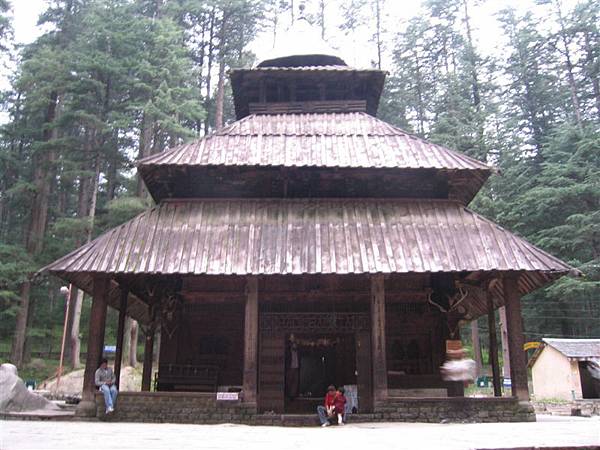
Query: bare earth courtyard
x: 548, y: 431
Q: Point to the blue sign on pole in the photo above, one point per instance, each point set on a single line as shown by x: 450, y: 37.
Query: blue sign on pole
x: 506, y: 382
x: 110, y: 349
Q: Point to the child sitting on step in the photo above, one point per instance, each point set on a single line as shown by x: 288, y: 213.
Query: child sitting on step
x: 340, y: 405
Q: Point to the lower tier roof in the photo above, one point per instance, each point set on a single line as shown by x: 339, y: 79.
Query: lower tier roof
x: 308, y: 236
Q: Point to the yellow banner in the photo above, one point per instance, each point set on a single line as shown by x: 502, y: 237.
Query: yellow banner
x: 530, y: 345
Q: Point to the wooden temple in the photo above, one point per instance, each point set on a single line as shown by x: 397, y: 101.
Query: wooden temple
x: 306, y: 244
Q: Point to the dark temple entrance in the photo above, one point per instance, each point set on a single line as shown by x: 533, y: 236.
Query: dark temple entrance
x: 314, y: 362
x: 300, y: 354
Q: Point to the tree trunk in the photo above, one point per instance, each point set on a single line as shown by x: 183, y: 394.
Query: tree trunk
x: 92, y: 194
x: 74, y: 340
x: 143, y: 151
x: 18, y: 344
x: 471, y: 57
x: 126, y: 342
x: 220, y: 94
x: 378, y: 31
x: 420, y: 106
x: 590, y: 74
x: 292, y: 9
x: 569, y: 65
x: 211, y: 49
x: 30, y: 317
x: 111, y: 178
x: 34, y: 238
x: 476, y: 346
x: 322, y: 17
x: 156, y: 345
x: 133, y: 342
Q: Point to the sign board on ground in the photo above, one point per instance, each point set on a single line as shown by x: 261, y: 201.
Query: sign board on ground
x: 228, y: 395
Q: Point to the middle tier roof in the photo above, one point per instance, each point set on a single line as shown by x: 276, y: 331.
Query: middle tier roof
x: 348, y: 142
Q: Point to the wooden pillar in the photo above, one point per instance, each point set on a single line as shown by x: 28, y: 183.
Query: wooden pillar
x: 150, y: 331
x: 504, y: 338
x: 380, y: 386
x: 493, y: 348
x: 87, y: 406
x: 514, y: 324
x: 251, y: 340
x: 120, y: 332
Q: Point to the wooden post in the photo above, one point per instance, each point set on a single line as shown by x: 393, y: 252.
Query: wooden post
x: 493, y: 350
x: 504, y: 338
x: 148, y: 357
x: 87, y: 406
x: 251, y: 341
x: 514, y: 324
x: 476, y: 347
x: 120, y: 332
x: 380, y: 389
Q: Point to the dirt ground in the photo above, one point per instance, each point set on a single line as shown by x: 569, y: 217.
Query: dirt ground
x: 548, y: 431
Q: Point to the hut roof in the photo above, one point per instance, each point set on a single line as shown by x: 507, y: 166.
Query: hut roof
x: 576, y: 348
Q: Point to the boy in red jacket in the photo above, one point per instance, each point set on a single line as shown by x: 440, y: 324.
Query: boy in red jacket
x: 340, y: 405
x: 327, y: 410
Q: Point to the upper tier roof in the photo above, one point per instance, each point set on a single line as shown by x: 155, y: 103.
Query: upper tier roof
x: 355, y: 140
x: 348, y: 141
x: 330, y: 85
x: 303, y: 68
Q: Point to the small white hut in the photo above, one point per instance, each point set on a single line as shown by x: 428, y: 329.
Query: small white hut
x: 566, y: 369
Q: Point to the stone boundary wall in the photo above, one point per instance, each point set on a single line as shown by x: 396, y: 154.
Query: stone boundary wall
x: 175, y: 407
x: 582, y: 407
x: 455, y: 409
x: 184, y: 407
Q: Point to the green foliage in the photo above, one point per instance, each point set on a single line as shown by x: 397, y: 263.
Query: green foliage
x: 15, y: 267
x: 120, y: 210
x: 518, y: 112
x: 110, y: 81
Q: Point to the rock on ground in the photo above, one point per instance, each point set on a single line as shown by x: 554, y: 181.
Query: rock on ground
x: 71, y: 384
x: 15, y: 397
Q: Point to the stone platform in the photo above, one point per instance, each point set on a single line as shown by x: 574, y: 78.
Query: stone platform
x: 203, y: 408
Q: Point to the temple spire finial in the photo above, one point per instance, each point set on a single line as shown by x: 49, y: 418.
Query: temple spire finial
x: 301, y: 8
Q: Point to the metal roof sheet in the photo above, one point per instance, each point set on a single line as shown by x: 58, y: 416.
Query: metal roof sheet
x: 348, y: 140
x: 316, y: 236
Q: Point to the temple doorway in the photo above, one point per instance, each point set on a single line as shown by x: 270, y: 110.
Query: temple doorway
x: 313, y: 362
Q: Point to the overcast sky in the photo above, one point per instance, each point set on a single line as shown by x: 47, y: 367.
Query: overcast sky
x: 354, y: 48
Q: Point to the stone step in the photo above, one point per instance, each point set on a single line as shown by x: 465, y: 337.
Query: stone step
x: 306, y: 420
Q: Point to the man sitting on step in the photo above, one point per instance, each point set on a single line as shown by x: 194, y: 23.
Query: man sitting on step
x: 326, y: 411
x: 105, y: 380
